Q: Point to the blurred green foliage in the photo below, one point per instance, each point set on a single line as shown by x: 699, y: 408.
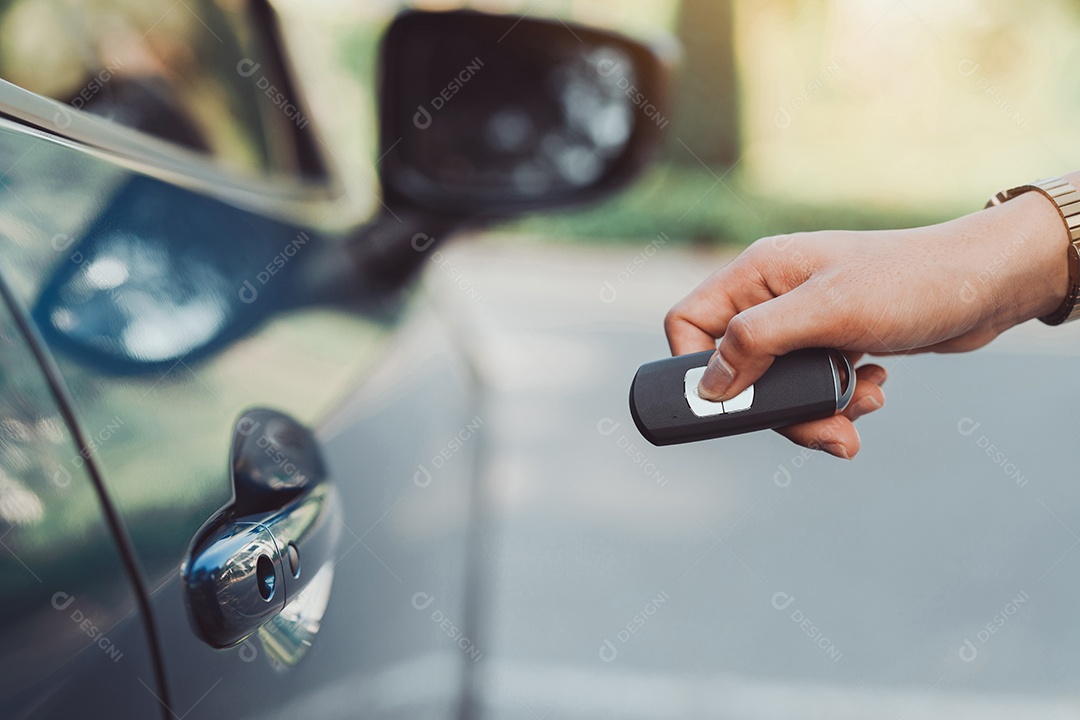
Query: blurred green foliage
x: 690, y: 205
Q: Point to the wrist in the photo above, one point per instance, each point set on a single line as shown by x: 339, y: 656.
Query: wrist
x: 1029, y: 245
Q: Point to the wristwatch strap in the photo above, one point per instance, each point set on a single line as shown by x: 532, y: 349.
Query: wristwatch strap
x: 1066, y: 199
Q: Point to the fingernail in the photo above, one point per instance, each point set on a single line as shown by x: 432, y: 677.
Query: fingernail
x: 716, y: 380
x: 866, y: 405
x: 838, y: 450
x: 880, y: 377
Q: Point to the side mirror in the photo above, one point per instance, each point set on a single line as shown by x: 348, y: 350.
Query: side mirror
x: 492, y: 115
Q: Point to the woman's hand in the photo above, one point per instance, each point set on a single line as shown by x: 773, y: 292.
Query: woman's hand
x: 945, y: 288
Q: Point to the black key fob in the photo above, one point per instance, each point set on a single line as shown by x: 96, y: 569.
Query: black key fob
x: 800, y: 386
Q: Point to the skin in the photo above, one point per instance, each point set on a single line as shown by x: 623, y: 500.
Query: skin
x: 951, y: 287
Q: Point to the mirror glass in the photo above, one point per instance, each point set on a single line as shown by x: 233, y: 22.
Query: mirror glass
x: 490, y: 114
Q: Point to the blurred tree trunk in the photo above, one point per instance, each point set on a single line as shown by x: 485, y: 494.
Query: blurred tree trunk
x: 706, y: 111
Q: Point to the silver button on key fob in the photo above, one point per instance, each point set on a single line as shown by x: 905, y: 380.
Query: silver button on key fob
x: 800, y: 386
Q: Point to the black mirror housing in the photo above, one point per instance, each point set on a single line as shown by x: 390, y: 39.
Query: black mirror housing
x: 497, y: 115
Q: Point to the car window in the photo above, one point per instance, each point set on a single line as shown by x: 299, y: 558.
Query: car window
x: 197, y: 73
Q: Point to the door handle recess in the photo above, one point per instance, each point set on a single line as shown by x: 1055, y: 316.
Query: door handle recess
x: 259, y: 552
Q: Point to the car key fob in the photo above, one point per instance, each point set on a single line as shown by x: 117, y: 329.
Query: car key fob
x: 800, y: 386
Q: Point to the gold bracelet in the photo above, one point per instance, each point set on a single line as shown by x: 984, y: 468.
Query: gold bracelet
x: 1067, y: 201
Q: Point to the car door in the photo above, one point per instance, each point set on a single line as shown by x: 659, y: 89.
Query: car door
x: 174, y: 280
x: 289, y: 431
x: 73, y: 631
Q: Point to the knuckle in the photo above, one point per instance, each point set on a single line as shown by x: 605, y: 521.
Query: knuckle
x: 673, y: 319
x: 776, y: 244
x: 785, y: 260
x: 755, y: 253
x: 741, y: 336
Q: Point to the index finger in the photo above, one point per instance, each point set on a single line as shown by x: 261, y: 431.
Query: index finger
x: 696, y: 321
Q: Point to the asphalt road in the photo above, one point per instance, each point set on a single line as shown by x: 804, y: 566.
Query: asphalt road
x: 934, y: 576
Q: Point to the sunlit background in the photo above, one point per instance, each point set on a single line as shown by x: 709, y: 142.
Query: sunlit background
x: 842, y: 113
x: 787, y: 115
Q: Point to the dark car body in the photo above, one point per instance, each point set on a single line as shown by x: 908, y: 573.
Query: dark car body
x: 177, y: 253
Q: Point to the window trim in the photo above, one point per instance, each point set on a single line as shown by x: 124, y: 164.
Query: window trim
x: 276, y: 194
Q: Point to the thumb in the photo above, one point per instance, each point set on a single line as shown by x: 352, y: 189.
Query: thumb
x: 754, y: 337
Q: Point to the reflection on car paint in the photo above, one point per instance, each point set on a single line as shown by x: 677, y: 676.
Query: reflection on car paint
x: 66, y: 594
x: 146, y: 286
x: 288, y: 636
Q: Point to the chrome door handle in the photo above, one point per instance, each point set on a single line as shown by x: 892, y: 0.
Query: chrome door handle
x: 263, y: 549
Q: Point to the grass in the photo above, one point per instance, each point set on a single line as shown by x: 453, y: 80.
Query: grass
x: 688, y: 205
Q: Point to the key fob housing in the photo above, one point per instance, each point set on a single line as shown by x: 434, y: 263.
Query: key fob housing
x: 800, y: 386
